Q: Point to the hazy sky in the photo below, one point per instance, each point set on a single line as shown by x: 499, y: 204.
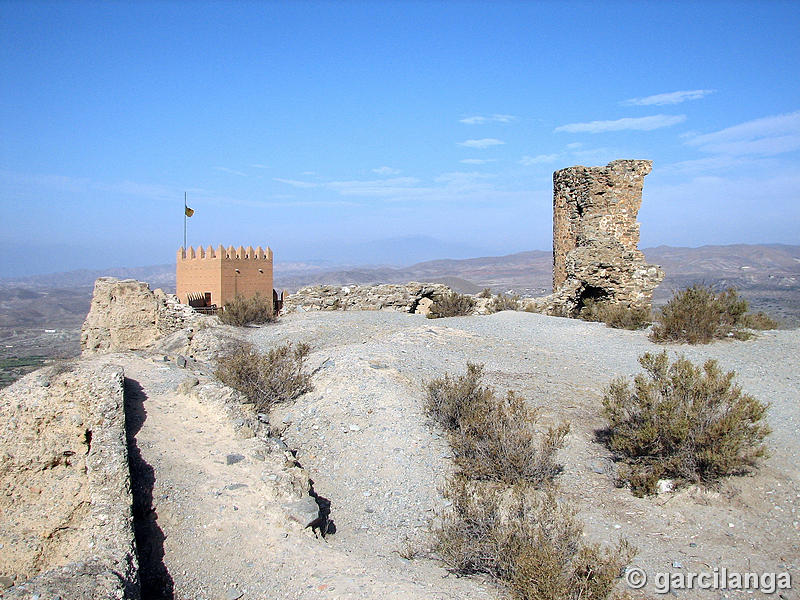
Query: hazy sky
x: 319, y: 127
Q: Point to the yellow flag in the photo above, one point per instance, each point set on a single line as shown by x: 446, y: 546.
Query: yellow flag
x: 189, y: 212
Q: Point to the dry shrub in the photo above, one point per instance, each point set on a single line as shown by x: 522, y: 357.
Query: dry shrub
x: 485, y: 293
x: 682, y: 422
x: 697, y: 315
x: 266, y: 378
x: 759, y: 320
x: 526, y: 539
x: 452, y: 304
x: 500, y: 442
x: 615, y: 315
x: 243, y: 311
x: 493, y: 438
x: 503, y: 302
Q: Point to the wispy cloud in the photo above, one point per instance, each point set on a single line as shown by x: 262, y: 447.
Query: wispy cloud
x: 374, y: 187
x: 230, y: 171
x: 668, y: 98
x: 259, y: 166
x: 295, y: 183
x: 386, y: 171
x: 538, y: 159
x: 627, y: 123
x: 483, y: 120
x: 767, y: 136
x: 477, y: 161
x: 482, y: 143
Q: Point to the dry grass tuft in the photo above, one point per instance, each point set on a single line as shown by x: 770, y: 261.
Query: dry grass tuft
x: 245, y: 311
x: 266, y: 379
x: 615, y: 315
x: 452, y: 304
x: 682, y: 422
x: 504, y: 302
x: 528, y: 540
x: 697, y: 315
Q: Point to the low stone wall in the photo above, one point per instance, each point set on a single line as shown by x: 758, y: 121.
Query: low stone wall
x: 126, y: 315
x: 66, y: 528
x: 412, y: 297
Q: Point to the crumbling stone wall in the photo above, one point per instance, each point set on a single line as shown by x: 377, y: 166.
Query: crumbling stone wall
x: 66, y: 528
x: 411, y: 298
x: 596, y: 238
x: 126, y: 315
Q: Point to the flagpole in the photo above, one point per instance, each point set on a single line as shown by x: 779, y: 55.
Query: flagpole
x: 184, y: 220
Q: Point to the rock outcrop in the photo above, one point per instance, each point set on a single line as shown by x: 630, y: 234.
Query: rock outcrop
x: 66, y: 528
x: 595, y: 239
x: 127, y: 315
x: 411, y: 298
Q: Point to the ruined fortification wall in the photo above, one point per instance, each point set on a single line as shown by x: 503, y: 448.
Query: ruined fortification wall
x: 66, y: 528
x: 126, y: 315
x: 595, y: 202
x: 224, y: 272
x: 412, y: 297
x: 596, y: 237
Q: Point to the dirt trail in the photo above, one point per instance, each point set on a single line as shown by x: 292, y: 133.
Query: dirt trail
x: 210, y: 523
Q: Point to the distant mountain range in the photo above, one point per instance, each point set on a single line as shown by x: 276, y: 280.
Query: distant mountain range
x: 768, y: 275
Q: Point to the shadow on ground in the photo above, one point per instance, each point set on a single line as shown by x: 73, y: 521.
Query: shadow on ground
x: 155, y: 579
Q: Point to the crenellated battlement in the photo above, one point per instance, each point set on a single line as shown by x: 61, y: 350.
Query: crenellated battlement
x: 229, y: 253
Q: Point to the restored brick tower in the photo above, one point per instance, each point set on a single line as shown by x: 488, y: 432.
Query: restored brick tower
x: 222, y: 274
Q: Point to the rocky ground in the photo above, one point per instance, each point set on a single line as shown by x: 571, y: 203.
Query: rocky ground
x: 220, y: 510
x: 362, y: 435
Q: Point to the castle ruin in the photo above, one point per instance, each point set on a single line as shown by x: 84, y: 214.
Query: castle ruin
x: 596, y: 237
x: 216, y: 277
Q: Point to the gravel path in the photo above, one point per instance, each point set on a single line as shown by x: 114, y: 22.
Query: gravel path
x: 362, y: 435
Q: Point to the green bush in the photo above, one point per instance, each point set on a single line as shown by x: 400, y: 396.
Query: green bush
x: 698, y: 315
x: 268, y: 378
x: 615, y: 315
x: 493, y: 438
x: 503, y: 302
x: 683, y: 422
x: 452, y: 304
x: 243, y: 311
x: 526, y: 539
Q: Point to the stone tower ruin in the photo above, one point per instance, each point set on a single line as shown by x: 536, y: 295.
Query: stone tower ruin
x: 596, y: 237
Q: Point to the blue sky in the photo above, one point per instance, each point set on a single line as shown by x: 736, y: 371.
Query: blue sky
x: 323, y: 129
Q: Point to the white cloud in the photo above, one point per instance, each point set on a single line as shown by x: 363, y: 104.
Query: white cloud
x: 482, y: 143
x: 669, y: 98
x: 538, y: 159
x: 295, y: 182
x: 482, y: 120
x: 767, y: 136
x: 477, y: 161
x: 627, y: 123
x: 574, y: 146
x: 386, y: 171
x: 375, y: 187
x: 230, y: 171
x: 259, y: 166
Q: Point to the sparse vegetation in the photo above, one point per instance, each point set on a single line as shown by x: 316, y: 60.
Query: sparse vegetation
x: 698, y: 315
x: 485, y: 293
x: 760, y: 321
x: 452, y: 304
x: 682, y: 422
x: 505, y: 302
x: 243, y: 311
x: 615, y: 315
x: 266, y: 379
x: 493, y: 438
x: 505, y: 519
x: 526, y: 539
